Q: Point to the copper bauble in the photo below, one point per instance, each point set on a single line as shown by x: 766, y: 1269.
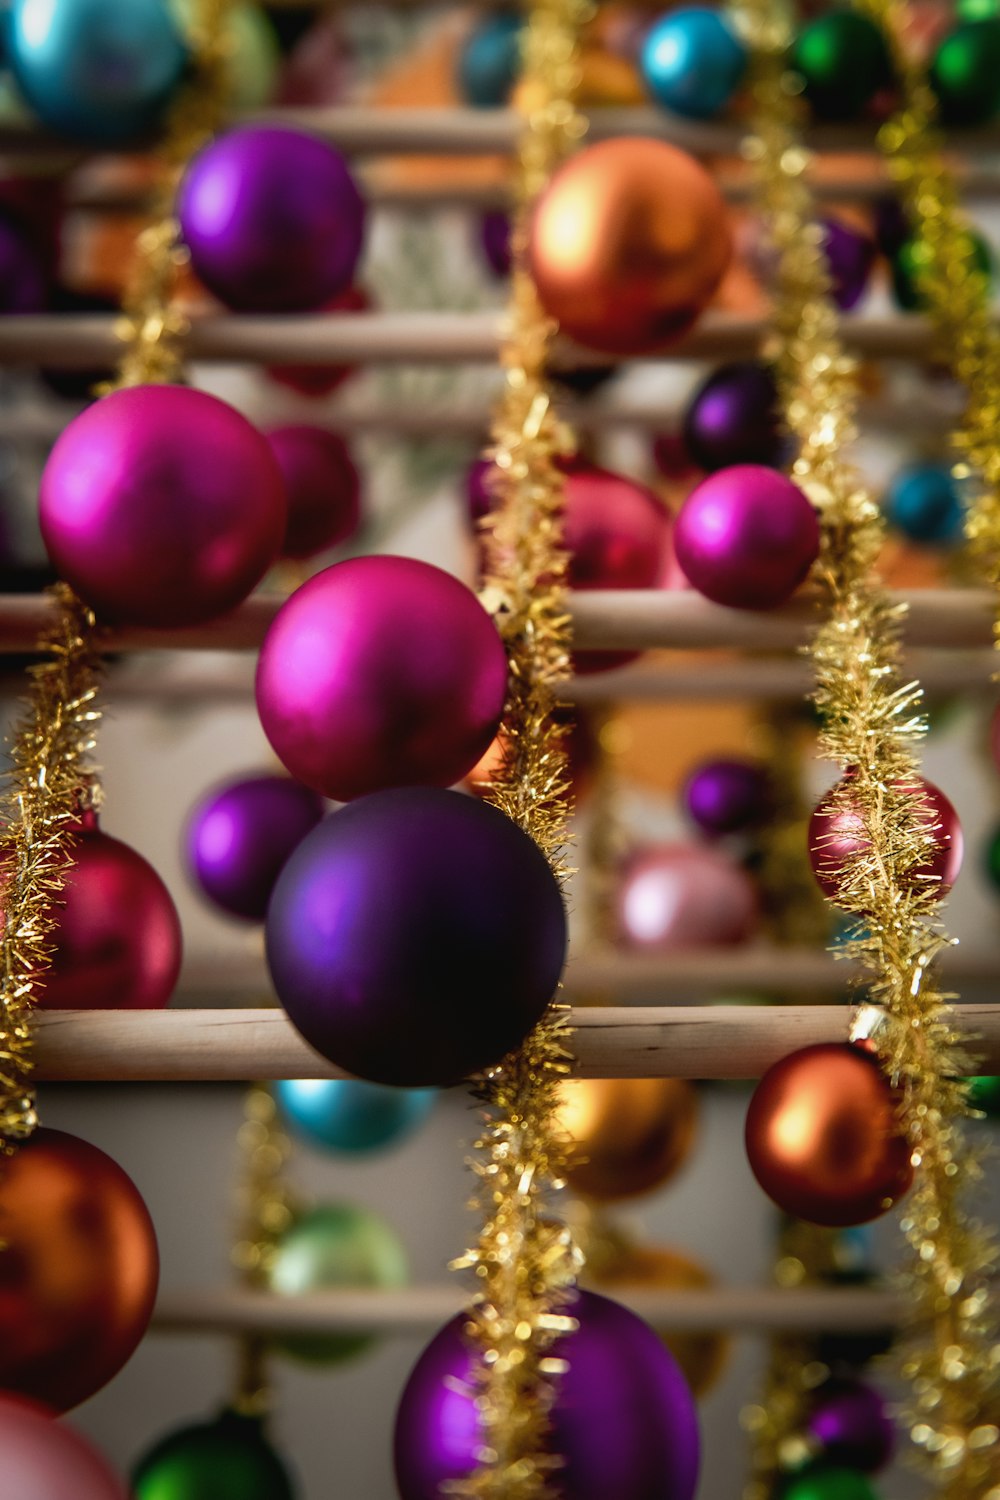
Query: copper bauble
x: 630, y: 1135
x: 627, y: 244
x: 824, y: 1138
x: 78, y: 1269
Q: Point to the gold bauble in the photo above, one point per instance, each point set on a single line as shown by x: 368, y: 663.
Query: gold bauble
x: 630, y: 1135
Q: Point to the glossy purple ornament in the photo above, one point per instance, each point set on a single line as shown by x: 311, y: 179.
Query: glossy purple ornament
x: 240, y: 836
x: 850, y: 258
x: 323, y: 488
x: 852, y: 1426
x: 726, y: 796
x: 478, y: 490
x: 272, y: 218
x: 623, y: 1423
x: 677, y: 896
x: 734, y: 417
x: 746, y: 537
x: 494, y: 237
x: 22, y: 281
x: 416, y: 936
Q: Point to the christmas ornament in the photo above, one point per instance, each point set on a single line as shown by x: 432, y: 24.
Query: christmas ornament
x: 379, y: 672
x: 627, y: 245
x: 821, y: 1483
x: 911, y: 262
x: 837, y: 835
x: 98, y: 71
x: 416, y: 936
x: 581, y: 757
x: 843, y: 61
x: 734, y: 418
x: 850, y: 257
x: 240, y: 835
x: 623, y: 1422
x: 78, y: 1270
x: 321, y: 380
x: 22, y: 282
x: 46, y: 1460
x: 924, y: 503
x: 153, y: 531
x: 335, y: 1245
x: 892, y: 227
x: 494, y: 241
x: 226, y: 1458
x: 272, y: 218
x: 984, y: 1094
x: 993, y: 859
x: 965, y: 73
x: 676, y: 896
x: 746, y: 537
x: 726, y: 796
x: 323, y: 488
x: 490, y: 60
x: 629, y: 1135
x: 346, y: 1115
x: 693, y: 62
x: 823, y: 1136
x: 852, y: 1427
x: 252, y: 55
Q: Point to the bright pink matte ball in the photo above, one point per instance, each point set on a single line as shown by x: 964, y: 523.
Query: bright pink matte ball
x: 162, y: 506
x: 381, y: 672
x: 323, y: 488
x: 746, y: 537
x: 837, y: 834
x: 676, y: 896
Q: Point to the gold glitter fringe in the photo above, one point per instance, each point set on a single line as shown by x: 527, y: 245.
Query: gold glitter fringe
x: 871, y: 722
x: 523, y: 1259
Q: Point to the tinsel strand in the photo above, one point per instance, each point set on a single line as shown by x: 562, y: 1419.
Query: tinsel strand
x: 523, y: 1259
x: 871, y: 723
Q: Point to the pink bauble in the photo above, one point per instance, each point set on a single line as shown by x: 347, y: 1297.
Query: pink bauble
x: 323, y: 488
x: 380, y: 672
x: 46, y: 1460
x: 836, y: 834
x: 746, y: 537
x: 675, y: 896
x: 162, y: 506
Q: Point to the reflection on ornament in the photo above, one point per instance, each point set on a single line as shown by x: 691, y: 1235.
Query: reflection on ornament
x: 227, y: 1458
x: 693, y: 62
x: 346, y: 1115
x: 629, y: 1135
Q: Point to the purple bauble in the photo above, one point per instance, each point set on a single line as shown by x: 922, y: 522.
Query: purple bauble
x: 726, y: 796
x: 494, y: 237
x: 624, y: 1422
x: 323, y: 487
x: 272, y: 218
x: 162, y: 506
x: 734, y: 417
x: 850, y: 257
x: 240, y: 836
x: 416, y: 936
x: 852, y: 1426
x: 380, y: 672
x: 479, y: 490
x: 746, y: 537
x: 22, y: 282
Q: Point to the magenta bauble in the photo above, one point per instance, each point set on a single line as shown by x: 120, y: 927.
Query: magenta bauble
x: 837, y: 835
x: 675, y: 896
x: 162, y: 506
x: 46, y: 1460
x: 746, y: 537
x: 322, y: 485
x: 380, y: 672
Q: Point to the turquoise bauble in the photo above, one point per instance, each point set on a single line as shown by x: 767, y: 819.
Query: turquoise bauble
x: 344, y: 1114
x: 913, y: 257
x: 693, y: 62
x: 828, y: 1484
x: 101, y: 72
x: 965, y: 73
x: 490, y: 61
x: 843, y: 61
x: 226, y: 1459
x: 924, y: 504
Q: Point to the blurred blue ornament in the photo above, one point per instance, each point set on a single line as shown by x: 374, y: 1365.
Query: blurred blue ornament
x: 344, y: 1114
x: 925, y: 505
x: 99, y: 71
x: 693, y: 62
x: 490, y: 60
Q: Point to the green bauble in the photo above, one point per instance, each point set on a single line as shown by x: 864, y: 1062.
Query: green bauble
x: 227, y: 1459
x: 844, y: 62
x: 253, y: 52
x: 984, y: 1094
x: 828, y: 1484
x: 965, y: 73
x: 913, y: 255
x: 977, y: 10
x: 335, y: 1245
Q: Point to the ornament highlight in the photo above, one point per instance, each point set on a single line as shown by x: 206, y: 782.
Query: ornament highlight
x: 693, y: 62
x: 837, y: 835
x: 226, y: 1458
x: 734, y: 418
x: 675, y: 896
x: 843, y: 61
x: 46, y: 1460
x: 323, y: 488
x: 630, y: 1135
x: 924, y: 504
x: 348, y: 1116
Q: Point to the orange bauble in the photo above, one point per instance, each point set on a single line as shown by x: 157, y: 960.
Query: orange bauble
x: 824, y: 1139
x: 628, y: 243
x: 630, y: 1135
x: 78, y: 1269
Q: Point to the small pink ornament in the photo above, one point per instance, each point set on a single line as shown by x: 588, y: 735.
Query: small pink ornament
x: 836, y: 835
x: 46, y: 1460
x: 746, y: 537
x: 162, y: 506
x: 381, y: 672
x: 676, y: 896
x: 323, y: 487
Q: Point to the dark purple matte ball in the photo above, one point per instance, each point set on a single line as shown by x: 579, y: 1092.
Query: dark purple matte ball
x: 734, y: 418
x: 416, y: 936
x: 852, y: 1426
x: 22, y: 282
x: 850, y: 257
x: 624, y: 1422
x: 240, y: 836
x: 726, y: 796
x: 494, y: 236
x: 479, y: 491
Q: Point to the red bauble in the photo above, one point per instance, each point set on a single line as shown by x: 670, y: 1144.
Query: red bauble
x: 824, y: 1139
x: 323, y: 487
x: 46, y: 1460
x: 322, y: 380
x: 836, y: 835
x: 78, y: 1270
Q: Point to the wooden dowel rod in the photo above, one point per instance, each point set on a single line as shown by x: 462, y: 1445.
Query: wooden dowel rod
x: 723, y: 1041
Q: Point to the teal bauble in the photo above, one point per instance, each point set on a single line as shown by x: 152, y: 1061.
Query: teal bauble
x: 984, y: 1094
x: 965, y: 73
x: 346, y: 1115
x: 693, y: 62
x: 334, y: 1246
x: 913, y: 257
x: 101, y: 72
x: 229, y: 1458
x: 489, y: 62
x: 818, y: 1483
x: 843, y: 61
x: 924, y: 504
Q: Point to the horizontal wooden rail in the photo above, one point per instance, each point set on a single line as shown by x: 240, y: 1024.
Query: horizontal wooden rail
x: 722, y: 1041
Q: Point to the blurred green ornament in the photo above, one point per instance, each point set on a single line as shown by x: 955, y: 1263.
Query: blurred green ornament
x: 225, y: 1459
x: 984, y: 1094
x: 335, y: 1245
x: 913, y: 257
x: 965, y: 73
x: 818, y: 1483
x: 843, y: 61
x: 977, y: 10
x: 253, y: 52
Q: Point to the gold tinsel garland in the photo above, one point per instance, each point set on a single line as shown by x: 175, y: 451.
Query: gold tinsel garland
x: 871, y: 722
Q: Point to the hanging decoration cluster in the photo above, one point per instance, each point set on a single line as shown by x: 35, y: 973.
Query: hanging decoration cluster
x: 870, y: 726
